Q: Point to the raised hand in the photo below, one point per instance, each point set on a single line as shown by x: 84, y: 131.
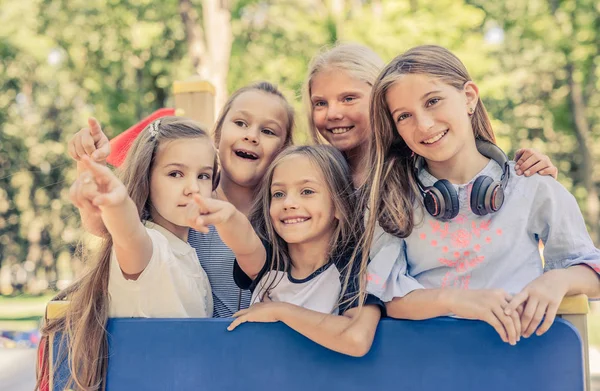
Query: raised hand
x: 541, y: 299
x: 529, y: 162
x: 489, y: 306
x: 98, y: 186
x: 90, y: 141
x: 202, y: 212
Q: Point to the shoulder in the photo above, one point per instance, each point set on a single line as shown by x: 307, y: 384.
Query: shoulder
x: 538, y: 186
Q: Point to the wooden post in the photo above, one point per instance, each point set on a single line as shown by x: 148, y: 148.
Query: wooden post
x: 195, y: 99
x: 574, y: 309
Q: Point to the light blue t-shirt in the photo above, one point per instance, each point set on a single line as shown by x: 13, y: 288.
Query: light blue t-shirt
x: 500, y: 250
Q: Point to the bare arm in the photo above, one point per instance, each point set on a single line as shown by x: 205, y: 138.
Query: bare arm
x: 351, y: 333
x: 234, y: 229
x: 485, y: 304
x: 132, y: 244
x: 90, y: 214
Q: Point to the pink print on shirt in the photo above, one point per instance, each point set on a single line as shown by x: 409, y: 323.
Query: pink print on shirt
x: 460, y: 247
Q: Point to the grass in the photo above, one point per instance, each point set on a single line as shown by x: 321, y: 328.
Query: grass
x: 22, y: 313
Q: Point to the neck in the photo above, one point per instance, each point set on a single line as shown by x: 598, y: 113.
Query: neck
x: 357, y: 158
x: 460, y: 168
x: 308, y: 257
x: 177, y: 230
x: 241, y: 197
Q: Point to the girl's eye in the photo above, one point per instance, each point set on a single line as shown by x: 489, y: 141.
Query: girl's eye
x: 176, y: 174
x: 277, y: 194
x: 319, y: 103
x: 349, y: 99
x: 432, y: 102
x: 402, y: 117
x: 204, y: 176
x: 269, y: 132
x: 240, y: 123
x: 307, y: 192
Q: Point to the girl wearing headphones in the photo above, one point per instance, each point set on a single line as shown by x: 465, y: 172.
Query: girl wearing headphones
x: 469, y: 248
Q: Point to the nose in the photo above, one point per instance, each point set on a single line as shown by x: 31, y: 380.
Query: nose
x: 252, y: 135
x: 191, y: 187
x: 334, y: 112
x: 289, y: 203
x: 424, y: 122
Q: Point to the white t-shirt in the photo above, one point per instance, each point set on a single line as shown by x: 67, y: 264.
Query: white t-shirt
x: 173, y: 285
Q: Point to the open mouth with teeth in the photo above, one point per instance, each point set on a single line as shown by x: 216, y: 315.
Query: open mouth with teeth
x: 340, y: 130
x: 246, y: 154
x: 295, y: 220
x: 435, y: 138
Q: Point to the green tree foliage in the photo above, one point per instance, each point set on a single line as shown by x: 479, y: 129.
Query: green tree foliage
x: 536, y: 63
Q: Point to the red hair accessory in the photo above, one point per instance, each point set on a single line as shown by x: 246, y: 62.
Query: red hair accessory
x: 120, y: 145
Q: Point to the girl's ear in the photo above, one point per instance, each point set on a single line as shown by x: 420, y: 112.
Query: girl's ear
x: 472, y: 94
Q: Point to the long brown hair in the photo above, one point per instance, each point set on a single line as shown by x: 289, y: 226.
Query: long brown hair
x: 357, y: 60
x: 83, y: 326
x: 348, y: 229
x: 391, y: 193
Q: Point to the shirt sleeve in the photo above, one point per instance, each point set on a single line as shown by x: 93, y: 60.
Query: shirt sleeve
x: 558, y: 222
x: 351, y: 297
x: 153, y: 271
x: 242, y: 280
x: 387, y: 273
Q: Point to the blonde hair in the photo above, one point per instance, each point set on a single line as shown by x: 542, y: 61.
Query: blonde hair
x: 262, y: 86
x: 391, y: 193
x: 359, y: 61
x: 83, y: 327
x: 348, y: 229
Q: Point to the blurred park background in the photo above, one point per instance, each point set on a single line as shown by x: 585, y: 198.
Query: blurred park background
x: 537, y: 63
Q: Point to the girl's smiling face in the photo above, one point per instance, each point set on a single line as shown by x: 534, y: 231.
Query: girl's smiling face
x: 253, y: 133
x: 302, y: 209
x: 431, y: 116
x: 340, y: 108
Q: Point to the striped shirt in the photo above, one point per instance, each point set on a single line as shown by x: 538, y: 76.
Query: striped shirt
x: 217, y: 261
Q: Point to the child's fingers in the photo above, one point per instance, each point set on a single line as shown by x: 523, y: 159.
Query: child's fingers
x: 528, y: 313
x: 240, y: 313
x: 516, y: 302
x: 518, y: 154
x: 549, y: 171
x: 95, y: 128
x: 549, y: 319
x: 493, y: 321
x: 537, y: 319
x: 526, y: 163
x: 237, y: 321
x: 79, y: 145
x: 88, y: 143
x: 507, y: 322
x: 72, y: 149
x: 202, y: 203
x: 101, y: 173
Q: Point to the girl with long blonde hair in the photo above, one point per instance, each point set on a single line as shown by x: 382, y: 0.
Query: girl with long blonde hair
x: 144, y: 267
x: 467, y: 228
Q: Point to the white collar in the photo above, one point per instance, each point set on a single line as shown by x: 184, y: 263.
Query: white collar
x: 177, y: 245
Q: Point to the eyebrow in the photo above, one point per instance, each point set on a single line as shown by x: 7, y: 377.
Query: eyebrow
x: 300, y: 182
x: 343, y: 93
x: 422, y: 98
x: 181, y: 165
x: 266, y: 122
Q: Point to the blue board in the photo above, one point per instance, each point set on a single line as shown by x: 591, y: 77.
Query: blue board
x: 436, y: 354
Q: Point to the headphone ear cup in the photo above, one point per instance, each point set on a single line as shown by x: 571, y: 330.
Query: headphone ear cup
x: 434, y: 202
x: 479, y: 200
x: 450, y: 197
x: 494, y: 197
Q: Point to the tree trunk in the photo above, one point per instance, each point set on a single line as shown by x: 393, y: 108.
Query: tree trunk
x: 209, y: 45
x: 582, y: 132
